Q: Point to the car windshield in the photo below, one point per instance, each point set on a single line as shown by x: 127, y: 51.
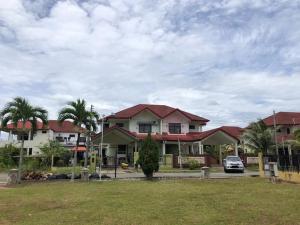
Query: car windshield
x: 233, y: 159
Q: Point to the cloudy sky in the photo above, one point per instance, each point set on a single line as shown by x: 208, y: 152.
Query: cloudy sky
x: 230, y: 61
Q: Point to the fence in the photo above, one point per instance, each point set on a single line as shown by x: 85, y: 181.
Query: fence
x: 285, y: 162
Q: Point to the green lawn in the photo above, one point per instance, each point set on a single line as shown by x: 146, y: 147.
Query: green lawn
x: 234, y: 201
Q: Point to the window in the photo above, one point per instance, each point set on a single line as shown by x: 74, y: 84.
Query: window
x: 120, y: 124
x: 106, y: 125
x: 44, y: 132
x: 145, y: 128
x: 192, y: 127
x: 60, y: 139
x: 279, y: 131
x: 30, y: 151
x: 288, y: 131
x: 175, y: 128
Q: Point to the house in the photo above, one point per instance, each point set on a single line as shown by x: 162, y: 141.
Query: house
x: 286, y: 124
x: 66, y: 133
x: 177, y: 132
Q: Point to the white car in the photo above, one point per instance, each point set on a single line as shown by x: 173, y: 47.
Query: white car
x: 233, y: 163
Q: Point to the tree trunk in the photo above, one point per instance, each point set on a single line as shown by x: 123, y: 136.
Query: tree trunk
x: 75, y: 158
x: 52, y: 161
x: 87, y: 150
x: 20, y: 161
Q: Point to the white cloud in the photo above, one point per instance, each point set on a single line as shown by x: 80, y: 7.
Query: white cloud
x: 230, y: 61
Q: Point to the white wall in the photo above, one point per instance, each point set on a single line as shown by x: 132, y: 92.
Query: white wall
x: 176, y: 117
x: 40, y: 139
x: 144, y: 117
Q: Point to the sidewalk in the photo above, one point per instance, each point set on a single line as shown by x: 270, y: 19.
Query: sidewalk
x: 136, y: 175
x: 3, y: 178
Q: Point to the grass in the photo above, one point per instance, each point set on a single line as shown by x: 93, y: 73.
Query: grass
x: 235, y: 201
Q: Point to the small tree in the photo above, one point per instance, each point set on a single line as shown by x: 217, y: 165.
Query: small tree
x: 149, y: 157
x: 51, y: 150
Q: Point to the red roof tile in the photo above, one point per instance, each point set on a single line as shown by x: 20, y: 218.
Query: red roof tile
x: 79, y: 149
x: 65, y: 127
x: 160, y: 111
x: 284, y: 118
x: 234, y: 132
x: 28, y: 126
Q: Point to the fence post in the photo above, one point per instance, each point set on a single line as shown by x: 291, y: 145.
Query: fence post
x: 261, y: 165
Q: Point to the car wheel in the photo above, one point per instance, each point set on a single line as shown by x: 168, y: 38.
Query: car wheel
x: 225, y: 171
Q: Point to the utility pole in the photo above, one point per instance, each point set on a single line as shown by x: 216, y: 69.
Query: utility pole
x: 179, y: 151
x: 275, y: 132
x: 116, y: 159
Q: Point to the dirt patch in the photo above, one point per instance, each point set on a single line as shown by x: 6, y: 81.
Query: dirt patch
x: 3, y: 187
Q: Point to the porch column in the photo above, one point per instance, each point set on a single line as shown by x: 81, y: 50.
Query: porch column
x: 135, y: 146
x: 29, y: 135
x: 236, y: 149
x: 200, y: 147
x: 193, y: 148
x: 164, y: 148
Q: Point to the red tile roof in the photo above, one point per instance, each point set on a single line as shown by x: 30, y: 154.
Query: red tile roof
x: 234, y: 132
x: 65, y: 127
x: 284, y: 137
x: 79, y: 149
x: 284, y: 118
x: 11, y: 126
x: 161, y: 111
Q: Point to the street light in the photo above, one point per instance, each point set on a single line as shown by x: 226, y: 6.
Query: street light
x: 101, y: 144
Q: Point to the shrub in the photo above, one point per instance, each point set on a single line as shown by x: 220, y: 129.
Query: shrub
x: 193, y: 164
x: 149, y: 157
x: 60, y: 163
x: 8, y: 157
x: 32, y: 164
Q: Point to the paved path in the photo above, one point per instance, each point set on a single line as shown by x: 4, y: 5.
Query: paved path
x: 182, y: 175
x: 3, y: 178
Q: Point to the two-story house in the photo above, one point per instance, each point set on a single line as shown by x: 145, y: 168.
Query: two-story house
x: 286, y: 123
x: 66, y: 133
x: 176, y: 131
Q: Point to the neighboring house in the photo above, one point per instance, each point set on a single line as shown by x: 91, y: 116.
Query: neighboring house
x: 66, y: 133
x: 177, y: 132
x: 286, y: 124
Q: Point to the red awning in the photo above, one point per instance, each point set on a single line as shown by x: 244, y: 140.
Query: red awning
x: 79, y: 149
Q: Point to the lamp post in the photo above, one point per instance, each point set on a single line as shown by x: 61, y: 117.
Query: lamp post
x: 101, y: 146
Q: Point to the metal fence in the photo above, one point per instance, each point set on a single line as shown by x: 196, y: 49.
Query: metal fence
x: 285, y: 162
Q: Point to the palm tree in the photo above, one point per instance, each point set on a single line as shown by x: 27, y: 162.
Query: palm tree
x: 52, y: 149
x: 19, y: 110
x: 259, y: 137
x: 76, y: 111
x: 297, y: 136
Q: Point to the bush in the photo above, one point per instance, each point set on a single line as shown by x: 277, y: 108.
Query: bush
x: 149, y: 157
x: 8, y: 157
x: 32, y: 164
x: 60, y: 163
x: 193, y: 164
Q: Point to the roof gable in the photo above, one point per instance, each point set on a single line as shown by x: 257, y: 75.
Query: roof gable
x: 159, y: 110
